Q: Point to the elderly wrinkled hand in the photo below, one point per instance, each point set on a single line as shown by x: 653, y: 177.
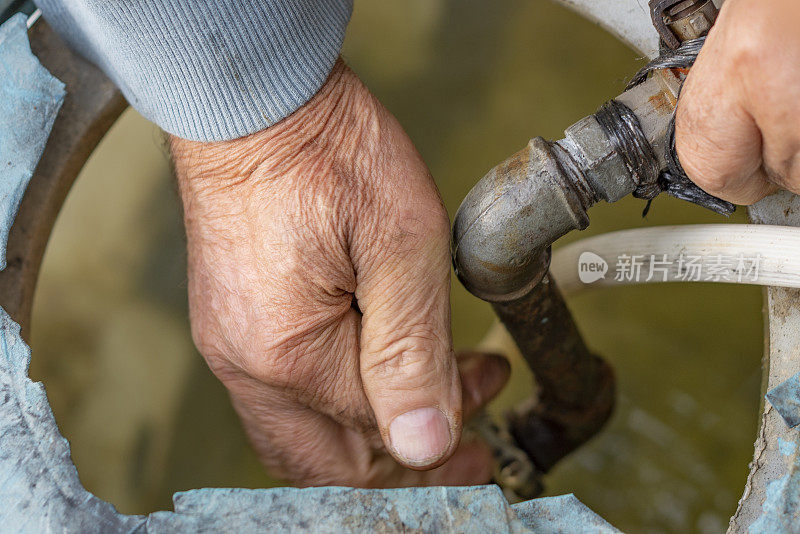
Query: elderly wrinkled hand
x: 737, y: 129
x: 319, y: 295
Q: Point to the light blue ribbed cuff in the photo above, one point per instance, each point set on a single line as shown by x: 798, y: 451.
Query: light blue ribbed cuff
x: 208, y: 70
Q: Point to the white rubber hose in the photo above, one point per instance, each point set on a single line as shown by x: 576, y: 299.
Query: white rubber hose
x: 729, y: 253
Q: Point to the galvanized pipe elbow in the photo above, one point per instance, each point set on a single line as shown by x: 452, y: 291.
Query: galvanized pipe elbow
x: 503, y: 229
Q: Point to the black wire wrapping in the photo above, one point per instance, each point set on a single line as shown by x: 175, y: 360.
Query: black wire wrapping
x: 625, y: 132
x: 622, y: 127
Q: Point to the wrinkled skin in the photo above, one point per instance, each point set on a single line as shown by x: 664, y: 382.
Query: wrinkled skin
x: 738, y: 122
x: 319, y: 295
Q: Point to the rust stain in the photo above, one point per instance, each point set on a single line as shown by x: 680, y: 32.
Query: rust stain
x: 514, y: 165
x: 663, y: 103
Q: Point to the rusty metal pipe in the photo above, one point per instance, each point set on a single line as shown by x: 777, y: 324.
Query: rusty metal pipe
x: 575, y: 387
x: 502, y: 235
x: 501, y: 254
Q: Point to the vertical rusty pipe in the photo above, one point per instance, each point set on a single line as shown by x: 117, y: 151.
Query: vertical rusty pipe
x: 575, y: 387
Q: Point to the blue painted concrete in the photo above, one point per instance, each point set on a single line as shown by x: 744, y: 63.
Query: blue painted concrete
x: 29, y: 102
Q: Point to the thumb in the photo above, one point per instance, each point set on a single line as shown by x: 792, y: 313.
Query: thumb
x: 407, y: 364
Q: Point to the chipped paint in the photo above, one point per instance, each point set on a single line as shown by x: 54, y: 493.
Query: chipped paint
x: 785, y: 398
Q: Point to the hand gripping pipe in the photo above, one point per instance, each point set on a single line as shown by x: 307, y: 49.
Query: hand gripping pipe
x: 502, y: 235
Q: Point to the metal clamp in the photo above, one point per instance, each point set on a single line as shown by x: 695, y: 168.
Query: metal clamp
x: 681, y: 20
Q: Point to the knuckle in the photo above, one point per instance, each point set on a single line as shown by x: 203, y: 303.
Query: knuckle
x: 424, y: 225
x: 692, y: 162
x: 406, y: 369
x: 784, y: 171
x: 746, y: 50
x: 216, y: 352
x: 748, y: 54
x: 702, y: 159
x: 206, y: 336
x: 249, y: 346
x: 686, y: 122
x: 792, y: 172
x: 705, y: 180
x: 279, y: 364
x: 417, y: 360
x: 741, y: 33
x: 713, y: 184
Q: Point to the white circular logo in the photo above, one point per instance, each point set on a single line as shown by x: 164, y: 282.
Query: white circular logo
x: 591, y: 267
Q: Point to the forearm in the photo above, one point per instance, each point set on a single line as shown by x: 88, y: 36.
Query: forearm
x: 205, y: 70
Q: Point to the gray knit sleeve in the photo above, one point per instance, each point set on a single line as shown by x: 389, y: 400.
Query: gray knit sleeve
x: 208, y: 70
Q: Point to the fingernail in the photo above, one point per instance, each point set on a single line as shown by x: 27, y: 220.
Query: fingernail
x: 421, y: 436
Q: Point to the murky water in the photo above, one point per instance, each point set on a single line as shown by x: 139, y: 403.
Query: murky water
x: 471, y: 81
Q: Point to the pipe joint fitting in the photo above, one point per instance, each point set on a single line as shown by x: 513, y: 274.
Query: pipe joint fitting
x: 503, y: 229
